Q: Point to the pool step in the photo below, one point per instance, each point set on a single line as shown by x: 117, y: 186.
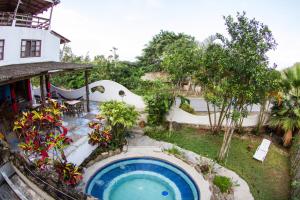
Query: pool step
x: 141, y: 149
x: 79, y: 151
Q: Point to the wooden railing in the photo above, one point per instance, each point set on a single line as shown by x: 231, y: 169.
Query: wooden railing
x: 24, y: 20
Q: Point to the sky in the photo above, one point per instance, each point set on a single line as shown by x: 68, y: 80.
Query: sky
x: 95, y: 26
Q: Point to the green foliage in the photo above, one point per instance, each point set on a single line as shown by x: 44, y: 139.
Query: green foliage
x: 120, y: 117
x: 295, y: 165
x: 100, y: 135
x: 158, y: 104
x: 187, y: 107
x: 286, y: 115
x: 291, y: 81
x: 174, y: 151
x: 223, y: 183
x: 152, y: 56
x: 243, y: 63
x: 123, y: 72
x: 181, y: 58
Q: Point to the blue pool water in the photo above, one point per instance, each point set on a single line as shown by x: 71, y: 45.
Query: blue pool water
x: 142, y: 179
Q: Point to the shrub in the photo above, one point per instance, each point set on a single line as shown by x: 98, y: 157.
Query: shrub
x: 100, y: 135
x: 187, y: 107
x: 223, y: 183
x: 120, y: 117
x: 44, y: 139
x: 158, y: 104
x: 68, y: 173
x: 174, y: 151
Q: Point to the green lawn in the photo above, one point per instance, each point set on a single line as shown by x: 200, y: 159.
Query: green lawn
x: 268, y: 181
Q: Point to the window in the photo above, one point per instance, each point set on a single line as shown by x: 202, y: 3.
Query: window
x: 30, y: 48
x: 1, y: 49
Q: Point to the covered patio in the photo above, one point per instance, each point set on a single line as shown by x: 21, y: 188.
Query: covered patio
x: 10, y: 75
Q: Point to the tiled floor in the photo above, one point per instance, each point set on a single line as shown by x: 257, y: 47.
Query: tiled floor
x: 78, y: 125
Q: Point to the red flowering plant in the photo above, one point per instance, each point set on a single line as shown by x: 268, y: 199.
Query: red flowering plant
x: 43, y: 136
x: 69, y: 173
x: 100, y: 134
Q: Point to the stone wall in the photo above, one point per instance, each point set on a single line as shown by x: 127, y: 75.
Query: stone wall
x: 295, y: 169
x: 47, y: 181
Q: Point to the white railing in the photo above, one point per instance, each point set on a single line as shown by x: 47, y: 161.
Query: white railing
x: 24, y: 20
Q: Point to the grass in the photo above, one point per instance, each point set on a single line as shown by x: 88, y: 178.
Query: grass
x: 269, y: 180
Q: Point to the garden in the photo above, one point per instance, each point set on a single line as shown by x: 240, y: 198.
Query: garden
x: 233, y: 72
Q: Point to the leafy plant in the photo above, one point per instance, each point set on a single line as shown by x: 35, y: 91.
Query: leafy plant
x: 68, y: 173
x: 223, y: 183
x: 187, y: 107
x: 286, y: 116
x: 43, y: 135
x: 152, y: 56
x: 174, y: 151
x: 120, y: 117
x: 99, y: 135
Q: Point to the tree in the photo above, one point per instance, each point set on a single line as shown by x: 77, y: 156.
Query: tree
x: 247, y: 68
x: 181, y: 59
x: 270, y: 90
x: 285, y: 113
x: 291, y: 80
x: 212, y: 76
x: 152, y: 55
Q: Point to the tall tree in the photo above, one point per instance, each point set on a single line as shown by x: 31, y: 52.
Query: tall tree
x: 247, y: 45
x: 212, y: 76
x: 152, y: 55
x: 181, y: 59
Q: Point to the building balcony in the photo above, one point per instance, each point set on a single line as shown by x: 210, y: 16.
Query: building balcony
x: 24, y: 20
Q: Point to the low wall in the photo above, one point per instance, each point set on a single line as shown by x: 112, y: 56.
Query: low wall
x: 109, y: 91
x: 295, y: 168
x: 182, y: 117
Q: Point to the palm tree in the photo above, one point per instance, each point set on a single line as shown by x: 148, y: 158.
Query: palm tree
x: 286, y: 113
x: 286, y: 116
x: 291, y: 80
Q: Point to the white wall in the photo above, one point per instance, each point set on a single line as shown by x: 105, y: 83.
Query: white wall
x: 12, y: 48
x: 111, y: 93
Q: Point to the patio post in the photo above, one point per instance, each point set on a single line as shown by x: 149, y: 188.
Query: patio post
x: 48, y: 85
x: 42, y: 89
x: 86, y: 76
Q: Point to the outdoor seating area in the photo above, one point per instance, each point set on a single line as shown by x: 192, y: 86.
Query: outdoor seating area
x: 74, y: 107
x: 156, y: 105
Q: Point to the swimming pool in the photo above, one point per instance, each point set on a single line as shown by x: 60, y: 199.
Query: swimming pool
x: 142, y: 179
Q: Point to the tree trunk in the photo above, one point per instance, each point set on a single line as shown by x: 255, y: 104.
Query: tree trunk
x: 287, y: 138
x: 209, y: 117
x: 226, y: 141
x: 261, y: 117
x: 215, y: 119
x: 219, y: 125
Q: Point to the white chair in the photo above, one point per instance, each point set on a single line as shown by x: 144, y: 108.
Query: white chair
x: 262, y: 150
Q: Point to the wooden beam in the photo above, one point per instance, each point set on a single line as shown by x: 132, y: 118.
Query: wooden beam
x: 86, y: 76
x: 50, y: 18
x: 42, y: 89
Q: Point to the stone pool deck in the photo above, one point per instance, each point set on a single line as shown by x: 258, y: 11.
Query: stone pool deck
x: 241, y: 188
x: 154, y: 152
x: 140, y: 145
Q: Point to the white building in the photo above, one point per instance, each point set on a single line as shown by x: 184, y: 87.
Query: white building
x: 28, y: 48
